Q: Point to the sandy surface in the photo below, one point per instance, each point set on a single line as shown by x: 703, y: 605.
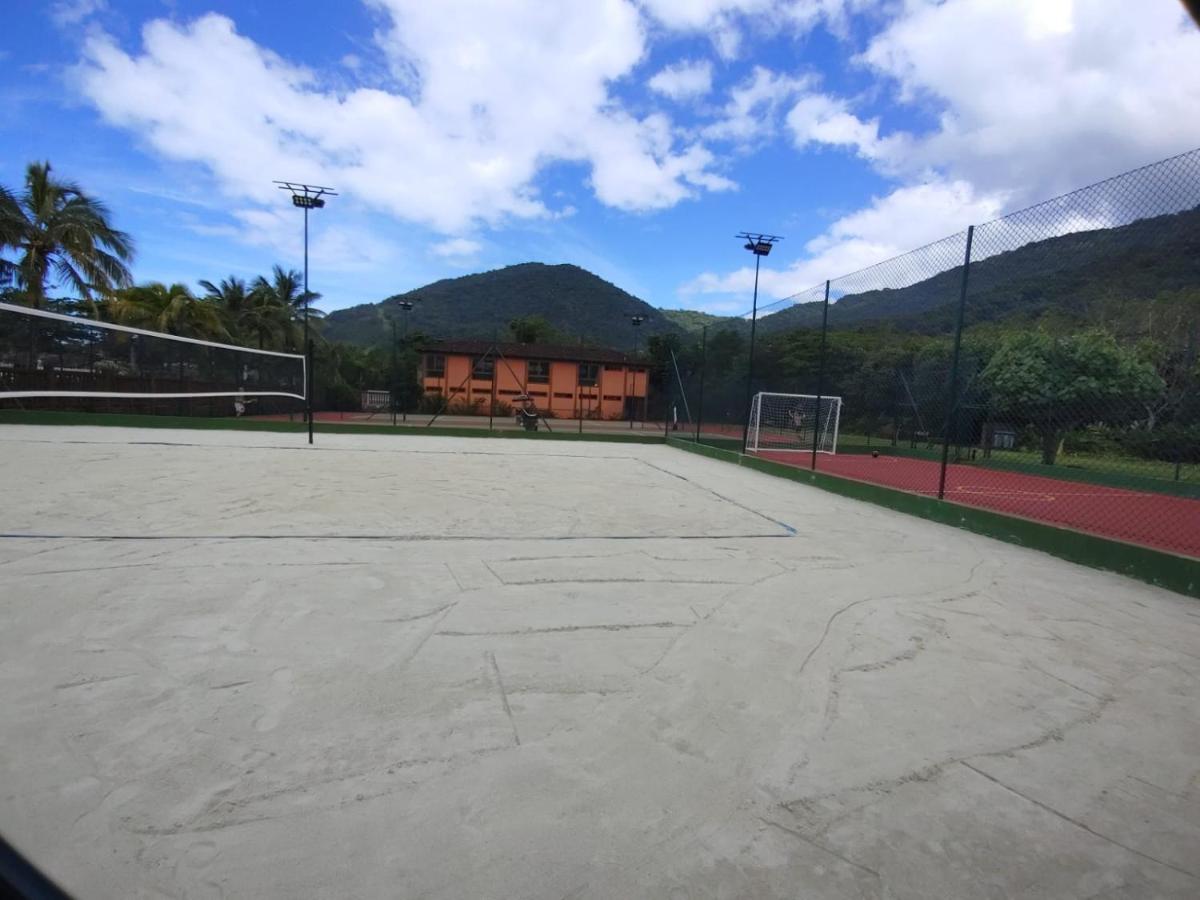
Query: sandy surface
x: 236, y: 666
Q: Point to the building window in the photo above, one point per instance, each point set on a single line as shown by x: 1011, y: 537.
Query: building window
x: 484, y: 368
x: 539, y: 371
x: 588, y: 372
x: 435, y: 365
x: 612, y: 396
x: 564, y: 396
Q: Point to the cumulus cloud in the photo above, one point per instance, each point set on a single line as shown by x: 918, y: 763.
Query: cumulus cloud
x: 683, y: 81
x: 1105, y: 85
x: 495, y: 93
x: 1052, y: 95
x: 890, y: 225
x: 753, y: 106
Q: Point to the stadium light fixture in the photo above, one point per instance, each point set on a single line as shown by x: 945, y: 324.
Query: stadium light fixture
x: 760, y: 245
x: 306, y: 197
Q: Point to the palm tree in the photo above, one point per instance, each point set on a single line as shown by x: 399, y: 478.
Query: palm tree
x: 63, y: 236
x: 10, y: 232
x: 170, y: 308
x: 235, y: 301
x: 285, y: 291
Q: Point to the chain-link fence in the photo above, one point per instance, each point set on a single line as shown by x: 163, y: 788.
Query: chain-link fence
x: 1043, y: 365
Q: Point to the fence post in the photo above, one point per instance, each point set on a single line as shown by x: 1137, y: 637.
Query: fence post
x: 952, y: 413
x: 820, y: 375
x: 703, y: 367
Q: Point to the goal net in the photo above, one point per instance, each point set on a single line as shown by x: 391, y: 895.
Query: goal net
x: 69, y: 360
x: 374, y: 401
x: 793, y: 422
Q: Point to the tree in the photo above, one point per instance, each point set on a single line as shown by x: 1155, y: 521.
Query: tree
x: 1059, y: 383
x: 282, y: 300
x: 63, y: 236
x: 170, y: 308
x: 532, y: 330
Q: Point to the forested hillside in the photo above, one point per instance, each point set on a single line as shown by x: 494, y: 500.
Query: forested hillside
x: 576, y: 304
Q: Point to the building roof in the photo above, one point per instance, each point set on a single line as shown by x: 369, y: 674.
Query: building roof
x: 555, y: 352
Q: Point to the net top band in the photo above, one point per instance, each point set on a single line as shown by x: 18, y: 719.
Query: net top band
x: 129, y: 329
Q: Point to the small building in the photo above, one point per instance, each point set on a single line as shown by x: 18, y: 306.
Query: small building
x: 562, y: 380
x: 1004, y: 436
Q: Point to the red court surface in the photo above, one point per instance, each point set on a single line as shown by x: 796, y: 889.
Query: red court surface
x: 1153, y: 520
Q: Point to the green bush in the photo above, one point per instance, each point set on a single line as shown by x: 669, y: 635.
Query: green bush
x: 1169, y: 443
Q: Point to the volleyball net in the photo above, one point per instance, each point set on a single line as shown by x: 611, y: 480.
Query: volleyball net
x: 51, y: 360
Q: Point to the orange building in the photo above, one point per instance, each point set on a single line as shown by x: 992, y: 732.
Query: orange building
x: 567, y: 382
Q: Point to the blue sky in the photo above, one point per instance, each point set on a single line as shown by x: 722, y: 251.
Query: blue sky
x: 631, y: 137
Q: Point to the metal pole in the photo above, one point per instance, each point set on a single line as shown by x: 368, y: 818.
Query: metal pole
x: 633, y: 381
x: 308, y: 404
x: 395, y: 375
x: 404, y: 408
x: 750, y: 364
x: 492, y: 392
x: 308, y: 393
x: 952, y: 415
x: 703, y: 367
x: 668, y: 390
x: 820, y: 376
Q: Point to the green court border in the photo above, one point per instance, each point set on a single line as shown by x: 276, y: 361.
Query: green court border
x: 131, y: 420
x: 1166, y: 570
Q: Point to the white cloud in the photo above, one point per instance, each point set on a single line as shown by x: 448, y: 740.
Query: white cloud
x: 753, y: 105
x: 497, y: 92
x: 1049, y: 96
x: 457, y: 248
x: 334, y: 246
x: 66, y: 13
x: 684, y: 80
x: 891, y: 225
x: 822, y: 119
x: 725, y: 22
x: 1103, y: 84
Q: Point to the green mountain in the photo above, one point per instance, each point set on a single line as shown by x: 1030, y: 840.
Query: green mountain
x: 1064, y: 274
x: 577, y: 304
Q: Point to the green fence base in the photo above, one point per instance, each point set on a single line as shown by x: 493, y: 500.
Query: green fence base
x: 131, y: 420
x: 1166, y: 570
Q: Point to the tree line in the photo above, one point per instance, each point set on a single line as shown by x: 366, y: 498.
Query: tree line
x: 1121, y: 376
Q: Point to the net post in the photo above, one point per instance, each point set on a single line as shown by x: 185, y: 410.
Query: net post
x: 308, y: 388
x: 820, y: 376
x: 952, y: 413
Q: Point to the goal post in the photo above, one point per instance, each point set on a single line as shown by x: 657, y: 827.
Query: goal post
x: 790, y: 423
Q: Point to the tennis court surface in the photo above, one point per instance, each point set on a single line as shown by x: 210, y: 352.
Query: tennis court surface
x: 1156, y: 520
x: 234, y: 665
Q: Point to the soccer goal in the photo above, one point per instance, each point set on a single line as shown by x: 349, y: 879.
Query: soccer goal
x: 790, y: 422
x: 375, y: 401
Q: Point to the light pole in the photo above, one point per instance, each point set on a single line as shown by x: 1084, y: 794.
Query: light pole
x: 636, y: 321
x: 407, y: 307
x: 307, y: 196
x: 760, y: 245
